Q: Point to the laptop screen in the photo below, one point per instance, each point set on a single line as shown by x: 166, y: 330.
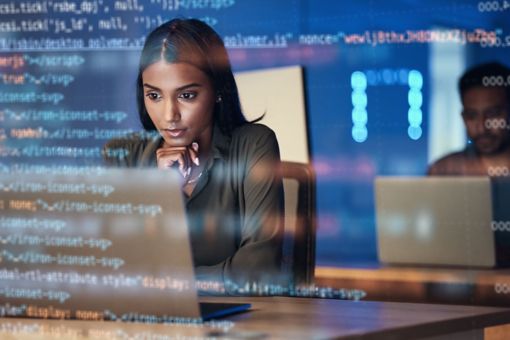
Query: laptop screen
x: 435, y: 221
x: 112, y: 244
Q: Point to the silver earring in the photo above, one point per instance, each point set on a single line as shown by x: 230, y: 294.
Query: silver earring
x: 219, y: 99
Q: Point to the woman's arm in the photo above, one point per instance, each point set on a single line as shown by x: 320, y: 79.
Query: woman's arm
x: 121, y: 152
x: 260, y: 192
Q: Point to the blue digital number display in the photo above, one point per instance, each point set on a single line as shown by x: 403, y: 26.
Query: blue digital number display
x: 359, y: 98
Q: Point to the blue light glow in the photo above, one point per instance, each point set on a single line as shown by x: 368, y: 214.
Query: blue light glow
x: 359, y: 133
x: 359, y: 116
x: 358, y: 81
x: 359, y: 99
x: 415, y: 80
x: 359, y: 102
x: 414, y: 132
x: 415, y: 100
x: 415, y: 117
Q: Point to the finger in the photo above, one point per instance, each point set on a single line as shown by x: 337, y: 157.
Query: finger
x: 194, y: 156
x: 194, y: 146
x: 183, y: 165
x: 167, y: 158
x: 169, y: 151
x: 175, y: 148
x: 165, y: 165
x: 163, y: 162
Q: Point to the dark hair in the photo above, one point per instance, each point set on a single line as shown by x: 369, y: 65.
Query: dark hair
x: 486, y: 75
x: 193, y: 41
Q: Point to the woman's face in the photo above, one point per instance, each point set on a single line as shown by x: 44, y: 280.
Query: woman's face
x: 180, y: 100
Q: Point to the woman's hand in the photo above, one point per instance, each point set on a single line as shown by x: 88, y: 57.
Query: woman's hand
x: 183, y: 156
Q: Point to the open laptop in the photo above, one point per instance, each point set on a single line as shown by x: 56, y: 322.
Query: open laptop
x: 435, y: 221
x: 112, y: 244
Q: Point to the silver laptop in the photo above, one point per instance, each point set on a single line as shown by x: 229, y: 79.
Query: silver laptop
x: 435, y: 221
x: 112, y: 244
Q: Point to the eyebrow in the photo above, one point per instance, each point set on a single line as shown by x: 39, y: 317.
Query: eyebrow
x: 177, y: 89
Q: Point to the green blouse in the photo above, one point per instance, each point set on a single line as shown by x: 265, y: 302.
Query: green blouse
x: 235, y: 212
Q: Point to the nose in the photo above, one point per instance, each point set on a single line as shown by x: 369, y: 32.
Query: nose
x: 479, y: 125
x: 172, y: 112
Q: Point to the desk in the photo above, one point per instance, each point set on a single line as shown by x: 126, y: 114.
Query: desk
x: 295, y: 318
x: 423, y: 284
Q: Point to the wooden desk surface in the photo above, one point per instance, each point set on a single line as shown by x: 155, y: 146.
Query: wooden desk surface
x: 289, y: 318
x: 490, y: 287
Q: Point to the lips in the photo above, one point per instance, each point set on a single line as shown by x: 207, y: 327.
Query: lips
x: 175, y: 133
x: 485, y: 140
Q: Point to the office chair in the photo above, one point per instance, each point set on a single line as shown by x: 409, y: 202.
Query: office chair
x: 299, y: 244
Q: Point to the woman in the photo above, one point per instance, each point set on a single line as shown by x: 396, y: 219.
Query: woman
x: 234, y: 198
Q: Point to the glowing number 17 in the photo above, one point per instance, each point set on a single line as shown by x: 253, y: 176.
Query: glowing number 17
x: 360, y: 100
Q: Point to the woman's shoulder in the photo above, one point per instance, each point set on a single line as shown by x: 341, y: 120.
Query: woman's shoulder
x: 127, y: 149
x: 252, y: 140
x: 253, y: 132
x: 130, y: 141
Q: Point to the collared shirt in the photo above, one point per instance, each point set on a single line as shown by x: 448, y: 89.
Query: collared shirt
x: 235, y: 210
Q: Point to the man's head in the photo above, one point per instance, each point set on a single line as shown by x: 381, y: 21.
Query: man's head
x: 485, y: 96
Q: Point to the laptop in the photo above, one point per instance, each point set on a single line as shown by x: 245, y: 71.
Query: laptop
x: 444, y: 221
x: 113, y: 244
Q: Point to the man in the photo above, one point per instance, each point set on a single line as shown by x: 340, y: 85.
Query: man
x: 485, y: 96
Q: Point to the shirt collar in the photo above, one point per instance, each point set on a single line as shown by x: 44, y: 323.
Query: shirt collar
x: 149, y: 152
x: 220, y: 144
